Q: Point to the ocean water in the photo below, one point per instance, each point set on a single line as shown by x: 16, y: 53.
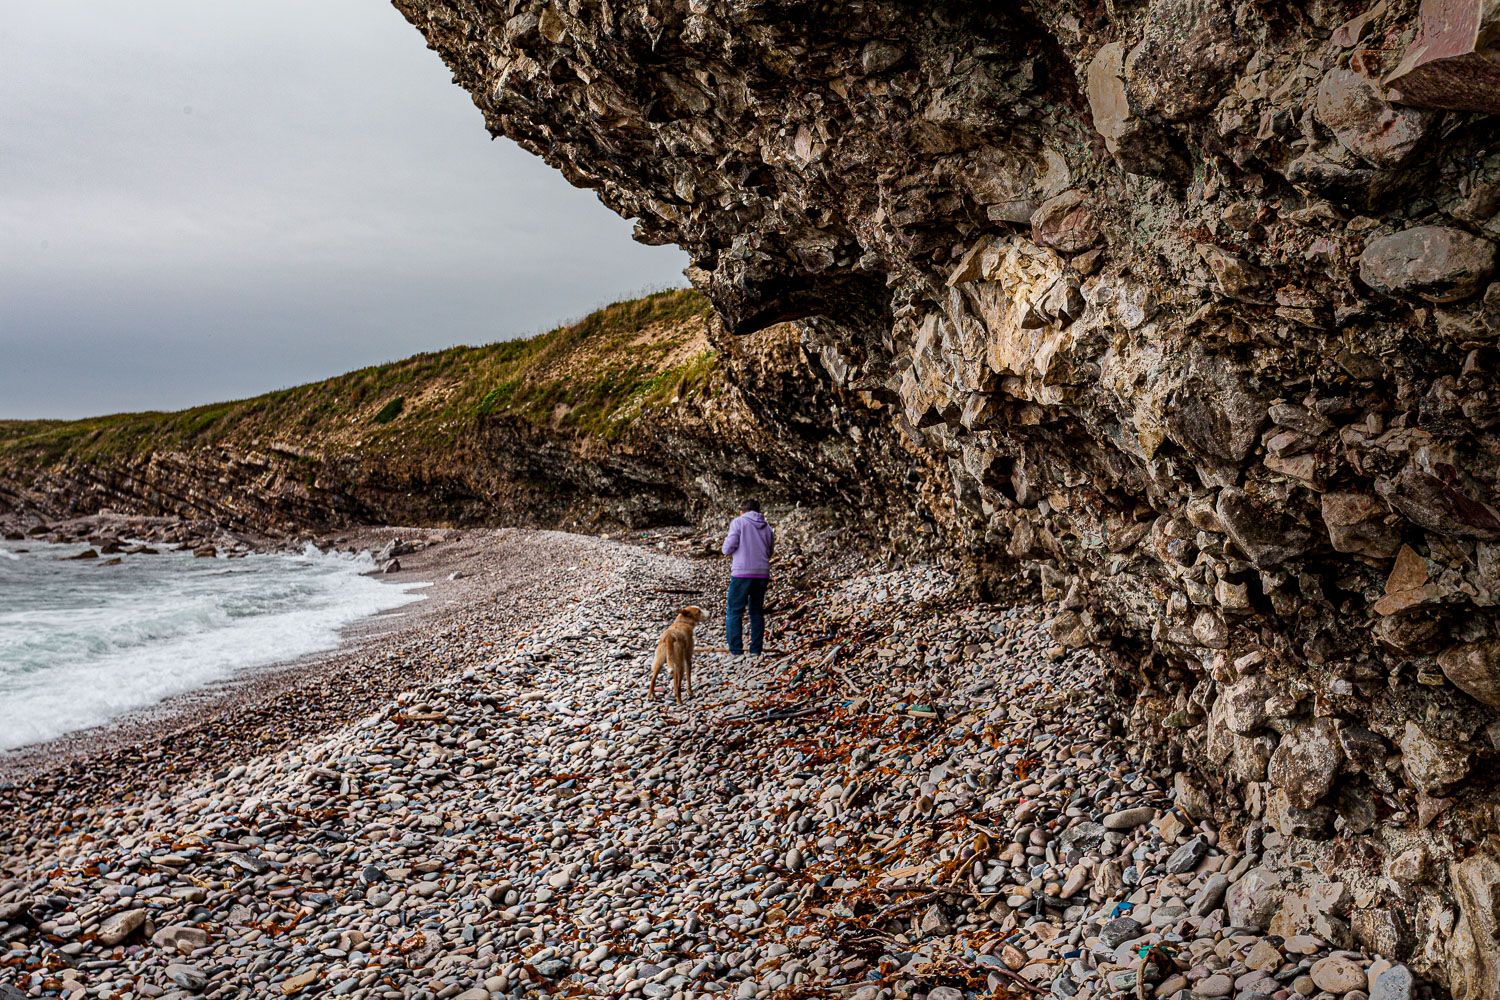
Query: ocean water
x: 82, y: 642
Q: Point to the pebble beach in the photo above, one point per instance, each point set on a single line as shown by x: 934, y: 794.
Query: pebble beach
x: 914, y: 797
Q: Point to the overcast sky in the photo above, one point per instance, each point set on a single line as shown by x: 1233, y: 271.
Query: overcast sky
x: 205, y: 201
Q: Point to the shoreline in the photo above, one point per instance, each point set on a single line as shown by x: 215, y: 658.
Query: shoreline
x: 187, y: 709
x: 479, y: 554
x: 926, y: 797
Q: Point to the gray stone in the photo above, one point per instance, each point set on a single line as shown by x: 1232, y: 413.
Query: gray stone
x: 1128, y: 819
x: 249, y: 863
x: 1186, y: 857
x: 1082, y: 836
x: 119, y: 926
x: 188, y: 977
x: 1119, y: 930
x: 552, y: 968
x: 1211, y: 896
x: 1433, y: 262
x: 1307, y: 761
x: 934, y: 921
x: 1212, y: 987
x: 1394, y: 983
x: 182, y: 937
x: 1432, y: 765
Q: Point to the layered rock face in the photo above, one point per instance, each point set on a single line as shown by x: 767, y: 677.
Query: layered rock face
x: 757, y: 424
x: 1185, y: 306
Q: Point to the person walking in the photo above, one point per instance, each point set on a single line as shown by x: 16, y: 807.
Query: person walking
x: 750, y: 541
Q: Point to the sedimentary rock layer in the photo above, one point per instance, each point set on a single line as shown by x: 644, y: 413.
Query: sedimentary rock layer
x: 599, y: 426
x: 1187, y: 306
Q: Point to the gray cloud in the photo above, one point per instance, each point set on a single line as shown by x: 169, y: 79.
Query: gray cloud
x: 207, y: 201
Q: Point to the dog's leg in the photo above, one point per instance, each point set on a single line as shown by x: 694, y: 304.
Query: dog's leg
x: 661, y: 657
x: 687, y: 673
x: 677, y: 679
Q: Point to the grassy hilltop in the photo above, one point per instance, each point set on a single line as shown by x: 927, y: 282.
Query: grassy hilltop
x: 588, y: 378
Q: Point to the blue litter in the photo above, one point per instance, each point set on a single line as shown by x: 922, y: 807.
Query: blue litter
x: 1121, y: 908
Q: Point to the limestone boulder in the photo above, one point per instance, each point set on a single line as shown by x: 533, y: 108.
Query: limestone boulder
x: 1474, y: 948
x: 1352, y: 108
x: 1137, y: 146
x: 1244, y: 704
x: 1211, y: 413
x: 1474, y: 668
x: 1356, y: 524
x: 1453, y: 61
x: 1266, y: 537
x: 1432, y: 765
x: 1255, y: 898
x: 1306, y: 762
x: 1065, y: 223
x: 1187, y: 57
x: 1437, y: 263
x: 1435, y: 496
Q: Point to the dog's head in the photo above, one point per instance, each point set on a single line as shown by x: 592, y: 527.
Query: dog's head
x: 692, y: 614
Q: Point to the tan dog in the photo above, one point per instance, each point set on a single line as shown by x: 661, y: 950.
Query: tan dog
x: 676, y: 646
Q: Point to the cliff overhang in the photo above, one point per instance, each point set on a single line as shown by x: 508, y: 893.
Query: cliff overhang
x: 1183, y: 306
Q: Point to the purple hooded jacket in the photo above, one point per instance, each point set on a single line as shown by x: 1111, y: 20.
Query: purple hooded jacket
x: 750, y: 541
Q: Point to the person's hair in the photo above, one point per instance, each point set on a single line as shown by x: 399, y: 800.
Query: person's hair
x: 751, y: 505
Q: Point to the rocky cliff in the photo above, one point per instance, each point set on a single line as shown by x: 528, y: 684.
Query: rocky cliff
x: 627, y: 418
x: 1184, y: 305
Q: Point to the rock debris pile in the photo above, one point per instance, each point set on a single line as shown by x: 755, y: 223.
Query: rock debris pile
x: 921, y: 798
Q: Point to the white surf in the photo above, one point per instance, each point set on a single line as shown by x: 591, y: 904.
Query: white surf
x: 82, y: 642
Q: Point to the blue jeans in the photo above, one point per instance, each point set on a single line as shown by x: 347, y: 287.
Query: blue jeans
x: 745, y: 590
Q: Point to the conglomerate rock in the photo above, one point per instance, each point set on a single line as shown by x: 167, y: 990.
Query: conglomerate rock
x: 1181, y: 305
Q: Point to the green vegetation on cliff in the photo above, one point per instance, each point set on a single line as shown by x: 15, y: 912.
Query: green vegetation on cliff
x: 591, y: 377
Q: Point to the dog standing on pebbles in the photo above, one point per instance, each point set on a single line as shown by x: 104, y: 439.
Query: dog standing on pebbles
x: 676, y: 647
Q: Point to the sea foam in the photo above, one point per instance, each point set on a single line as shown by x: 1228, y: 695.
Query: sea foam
x: 82, y: 642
